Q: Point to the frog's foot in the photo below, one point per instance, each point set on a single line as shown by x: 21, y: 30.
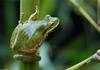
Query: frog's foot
x: 27, y: 57
x: 35, y: 15
x: 21, y: 18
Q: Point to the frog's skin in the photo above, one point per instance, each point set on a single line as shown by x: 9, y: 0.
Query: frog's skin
x: 28, y: 36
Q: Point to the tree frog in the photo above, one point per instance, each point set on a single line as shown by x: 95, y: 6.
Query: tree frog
x: 28, y: 36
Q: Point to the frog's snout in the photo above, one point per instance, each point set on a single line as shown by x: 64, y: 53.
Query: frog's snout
x: 54, y: 22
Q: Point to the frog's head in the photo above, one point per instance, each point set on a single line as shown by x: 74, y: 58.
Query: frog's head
x: 49, y: 25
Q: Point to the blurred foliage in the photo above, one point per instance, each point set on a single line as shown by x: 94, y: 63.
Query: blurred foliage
x: 72, y: 41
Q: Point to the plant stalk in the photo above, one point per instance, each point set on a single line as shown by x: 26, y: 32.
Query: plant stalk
x: 29, y: 66
x: 85, y: 14
x: 87, y: 63
x: 27, y: 7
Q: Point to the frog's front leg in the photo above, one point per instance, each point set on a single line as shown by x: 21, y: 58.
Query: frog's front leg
x: 21, y: 18
x: 35, y: 15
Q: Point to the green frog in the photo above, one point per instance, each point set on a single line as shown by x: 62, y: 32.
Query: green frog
x: 28, y: 36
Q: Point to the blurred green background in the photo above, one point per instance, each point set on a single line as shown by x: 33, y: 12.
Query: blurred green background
x: 71, y: 42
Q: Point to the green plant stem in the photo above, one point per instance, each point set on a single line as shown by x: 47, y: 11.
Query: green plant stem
x: 29, y: 66
x: 85, y: 14
x: 27, y: 7
x: 87, y: 63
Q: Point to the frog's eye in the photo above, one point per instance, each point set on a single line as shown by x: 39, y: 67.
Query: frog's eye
x: 47, y: 17
x: 54, y: 23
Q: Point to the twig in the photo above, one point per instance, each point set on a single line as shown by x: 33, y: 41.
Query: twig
x: 29, y: 66
x: 85, y: 14
x: 89, y: 62
x: 27, y: 7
